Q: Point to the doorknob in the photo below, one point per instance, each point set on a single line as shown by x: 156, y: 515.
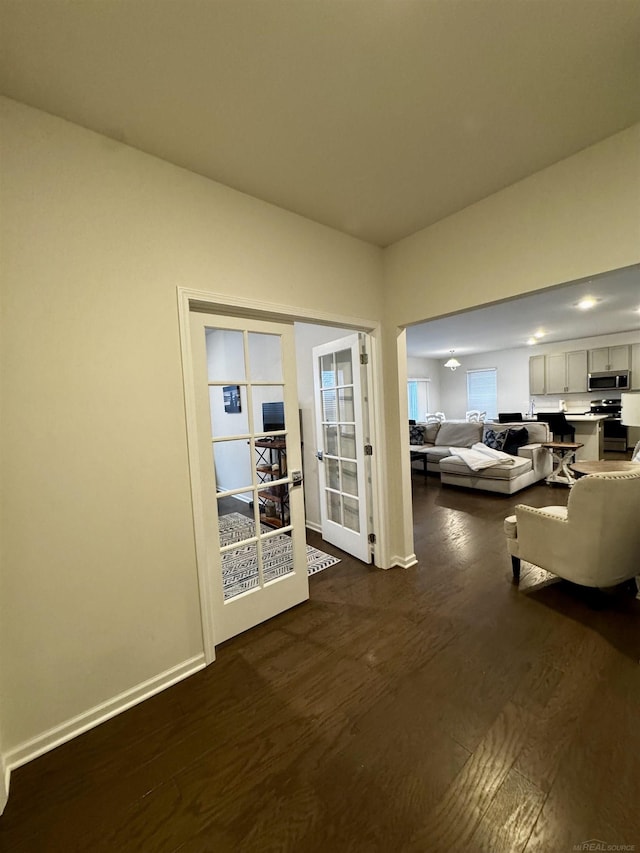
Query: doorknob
x: 320, y: 455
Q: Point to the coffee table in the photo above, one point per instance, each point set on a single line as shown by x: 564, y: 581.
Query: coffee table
x: 564, y: 453
x: 603, y: 466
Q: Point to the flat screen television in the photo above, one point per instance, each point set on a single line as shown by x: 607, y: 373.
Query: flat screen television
x: 272, y: 416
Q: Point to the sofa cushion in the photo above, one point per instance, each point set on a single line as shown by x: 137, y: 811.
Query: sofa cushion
x: 515, y: 438
x: 495, y: 439
x: 430, y: 432
x: 435, y: 454
x: 461, y: 434
x: 416, y: 434
x: 520, y: 465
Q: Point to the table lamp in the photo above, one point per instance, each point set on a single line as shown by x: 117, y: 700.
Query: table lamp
x: 630, y: 415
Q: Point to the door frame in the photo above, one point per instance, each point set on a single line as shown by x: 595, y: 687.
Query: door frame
x: 217, y: 303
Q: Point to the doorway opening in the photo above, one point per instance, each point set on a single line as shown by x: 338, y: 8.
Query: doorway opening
x: 249, y: 464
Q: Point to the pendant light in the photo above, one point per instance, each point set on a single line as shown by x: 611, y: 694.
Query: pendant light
x: 452, y: 363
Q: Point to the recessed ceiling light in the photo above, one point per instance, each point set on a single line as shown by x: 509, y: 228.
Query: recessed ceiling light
x: 532, y: 341
x: 539, y: 334
x: 586, y: 303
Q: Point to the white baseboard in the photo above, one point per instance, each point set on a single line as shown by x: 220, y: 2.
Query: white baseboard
x: 404, y: 562
x: 317, y: 528
x: 5, y: 774
x: 93, y: 717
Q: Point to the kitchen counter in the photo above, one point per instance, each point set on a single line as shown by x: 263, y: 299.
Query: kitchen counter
x: 589, y: 432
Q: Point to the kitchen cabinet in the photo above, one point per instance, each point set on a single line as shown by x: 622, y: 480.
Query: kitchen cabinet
x: 566, y: 372
x: 610, y: 358
x: 536, y: 375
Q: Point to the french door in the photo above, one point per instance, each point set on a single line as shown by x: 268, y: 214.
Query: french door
x: 342, y: 435
x: 250, y: 530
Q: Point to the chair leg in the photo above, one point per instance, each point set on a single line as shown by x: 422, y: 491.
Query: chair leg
x: 515, y: 567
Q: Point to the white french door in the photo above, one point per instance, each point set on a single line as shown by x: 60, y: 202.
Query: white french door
x: 250, y: 529
x: 340, y: 381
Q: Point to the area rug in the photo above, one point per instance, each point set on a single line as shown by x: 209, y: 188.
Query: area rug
x: 239, y: 569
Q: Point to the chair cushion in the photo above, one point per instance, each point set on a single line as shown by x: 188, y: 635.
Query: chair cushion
x: 511, y: 525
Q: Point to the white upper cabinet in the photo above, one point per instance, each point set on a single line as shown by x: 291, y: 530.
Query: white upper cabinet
x: 566, y: 372
x: 536, y: 375
x: 556, y: 373
x: 576, y: 370
x: 610, y: 358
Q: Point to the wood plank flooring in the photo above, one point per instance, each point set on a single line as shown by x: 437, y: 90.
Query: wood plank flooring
x: 438, y: 708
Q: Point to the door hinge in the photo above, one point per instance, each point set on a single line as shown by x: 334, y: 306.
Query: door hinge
x: 364, y: 358
x: 368, y: 450
x: 372, y: 538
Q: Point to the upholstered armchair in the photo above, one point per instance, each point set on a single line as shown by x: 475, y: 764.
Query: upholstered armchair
x: 593, y: 541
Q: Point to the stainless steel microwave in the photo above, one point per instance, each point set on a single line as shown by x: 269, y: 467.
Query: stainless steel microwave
x: 611, y: 380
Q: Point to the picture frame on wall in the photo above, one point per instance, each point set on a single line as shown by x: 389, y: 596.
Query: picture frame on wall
x: 231, y: 397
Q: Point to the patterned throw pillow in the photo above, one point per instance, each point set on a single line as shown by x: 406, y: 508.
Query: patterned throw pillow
x: 416, y: 434
x: 494, y: 439
x: 516, y: 437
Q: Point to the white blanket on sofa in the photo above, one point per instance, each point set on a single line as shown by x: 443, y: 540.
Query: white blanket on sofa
x: 479, y: 456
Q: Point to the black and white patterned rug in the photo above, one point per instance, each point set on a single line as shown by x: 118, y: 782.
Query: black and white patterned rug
x: 239, y: 566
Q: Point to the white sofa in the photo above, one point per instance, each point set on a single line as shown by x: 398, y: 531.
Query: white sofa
x: 532, y: 462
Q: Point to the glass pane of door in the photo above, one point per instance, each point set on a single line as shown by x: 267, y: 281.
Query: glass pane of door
x: 338, y: 412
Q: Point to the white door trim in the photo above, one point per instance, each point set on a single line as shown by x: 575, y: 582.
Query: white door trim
x: 190, y: 299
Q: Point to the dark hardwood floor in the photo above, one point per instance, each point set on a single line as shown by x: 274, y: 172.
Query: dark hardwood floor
x: 438, y: 708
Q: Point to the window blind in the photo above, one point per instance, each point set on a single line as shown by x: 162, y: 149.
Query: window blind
x: 482, y: 391
x: 418, y: 394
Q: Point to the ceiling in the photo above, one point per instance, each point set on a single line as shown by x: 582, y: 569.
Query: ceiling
x: 510, y: 324
x: 375, y: 117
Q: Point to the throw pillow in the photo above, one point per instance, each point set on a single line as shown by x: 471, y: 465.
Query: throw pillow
x: 494, y: 439
x: 416, y: 434
x: 516, y: 437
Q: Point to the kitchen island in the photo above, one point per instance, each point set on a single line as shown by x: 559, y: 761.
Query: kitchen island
x: 589, y: 433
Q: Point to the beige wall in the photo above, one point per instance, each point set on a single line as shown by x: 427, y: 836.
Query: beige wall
x: 576, y: 218
x: 98, y: 576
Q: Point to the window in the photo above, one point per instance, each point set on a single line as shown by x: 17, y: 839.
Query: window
x: 482, y: 391
x: 418, y: 393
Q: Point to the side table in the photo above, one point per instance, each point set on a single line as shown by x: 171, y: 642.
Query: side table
x: 564, y: 453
